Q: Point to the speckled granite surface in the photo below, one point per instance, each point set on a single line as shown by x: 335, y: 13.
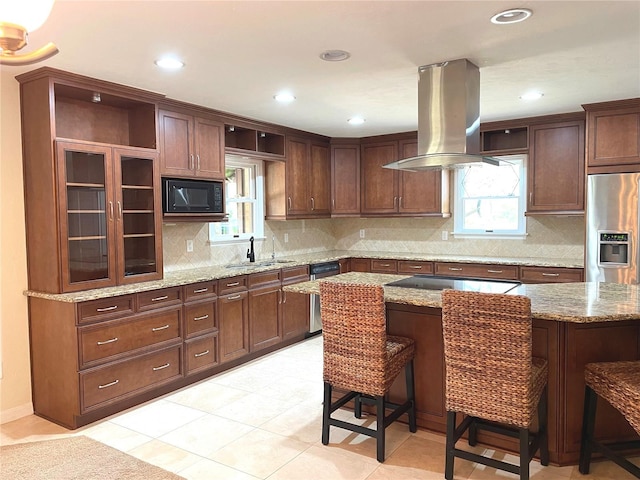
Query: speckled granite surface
x: 565, y: 302
x: 184, y: 277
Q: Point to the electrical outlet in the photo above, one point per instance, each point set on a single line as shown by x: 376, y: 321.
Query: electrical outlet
x: 445, y: 235
x: 189, y: 245
x: 286, y: 238
x: 362, y: 233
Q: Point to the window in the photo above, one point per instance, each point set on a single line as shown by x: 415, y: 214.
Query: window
x: 490, y: 200
x: 244, y: 201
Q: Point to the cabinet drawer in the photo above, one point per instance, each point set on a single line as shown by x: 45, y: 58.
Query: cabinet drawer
x: 294, y: 272
x: 550, y: 275
x: 272, y: 277
x: 201, y: 353
x: 360, y: 265
x: 477, y: 270
x: 99, y: 342
x: 390, y: 266
x: 128, y: 377
x: 200, y: 317
x: 196, y: 291
x: 159, y: 298
x: 408, y: 266
x: 105, y: 308
x: 232, y: 284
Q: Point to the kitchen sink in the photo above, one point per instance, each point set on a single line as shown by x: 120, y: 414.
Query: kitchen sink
x: 265, y: 263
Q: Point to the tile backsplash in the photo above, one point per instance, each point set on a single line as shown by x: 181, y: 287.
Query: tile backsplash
x: 552, y: 236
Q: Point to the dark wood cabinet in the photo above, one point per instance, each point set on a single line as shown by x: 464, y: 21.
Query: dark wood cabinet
x: 476, y: 270
x: 613, y: 136
x: 378, y: 186
x: 200, y: 327
x: 295, y: 306
x: 265, y: 309
x: 233, y: 318
x: 551, y: 275
x: 556, y: 168
x: 190, y: 145
x: 345, y: 180
x: 383, y: 266
x: 360, y: 265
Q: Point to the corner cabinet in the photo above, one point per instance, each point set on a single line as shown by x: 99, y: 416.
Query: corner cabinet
x: 191, y: 145
x: 91, y: 181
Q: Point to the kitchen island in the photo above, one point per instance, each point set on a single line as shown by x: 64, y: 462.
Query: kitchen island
x: 573, y: 324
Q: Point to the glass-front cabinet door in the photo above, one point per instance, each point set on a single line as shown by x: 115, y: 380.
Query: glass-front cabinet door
x: 86, y: 215
x: 138, y: 214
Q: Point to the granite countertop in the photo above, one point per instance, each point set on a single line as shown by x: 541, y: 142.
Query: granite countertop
x: 195, y: 275
x: 565, y: 302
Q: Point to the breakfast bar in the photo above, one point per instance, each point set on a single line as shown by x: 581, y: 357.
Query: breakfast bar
x: 573, y: 324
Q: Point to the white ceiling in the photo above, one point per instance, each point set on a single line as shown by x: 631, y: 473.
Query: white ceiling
x: 238, y: 54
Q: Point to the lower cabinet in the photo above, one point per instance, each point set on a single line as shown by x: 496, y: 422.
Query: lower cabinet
x: 233, y: 318
x: 551, y: 275
x: 200, y: 327
x: 265, y: 310
x: 295, y: 306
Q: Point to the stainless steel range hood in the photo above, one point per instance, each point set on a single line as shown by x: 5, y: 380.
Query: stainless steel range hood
x: 448, y: 118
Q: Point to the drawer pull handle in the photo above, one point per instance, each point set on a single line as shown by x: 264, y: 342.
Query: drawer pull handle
x: 161, y: 367
x: 157, y: 329
x: 233, y: 284
x: 454, y: 269
x: 550, y: 274
x: 494, y: 271
x: 203, y: 317
x: 234, y: 297
x: 200, y: 290
x: 111, y: 384
x: 385, y: 264
x: 107, y: 309
x: 157, y: 299
x: 111, y: 340
x: 416, y: 267
x: 201, y: 354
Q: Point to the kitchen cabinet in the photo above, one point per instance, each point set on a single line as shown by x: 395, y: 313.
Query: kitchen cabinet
x: 556, y: 168
x: 295, y: 306
x: 233, y: 318
x: 504, y: 138
x: 360, y: 265
x: 241, y: 140
x: 200, y: 327
x: 91, y: 182
x: 345, y: 180
x: 415, y: 267
x: 345, y: 265
x: 476, y: 270
x: 613, y: 136
x: 386, y: 192
x: 300, y: 186
x: 551, y: 275
x: 383, y: 266
x: 265, y: 309
x: 191, y: 145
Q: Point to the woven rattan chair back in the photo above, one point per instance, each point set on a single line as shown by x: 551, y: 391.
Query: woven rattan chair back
x: 487, y: 345
x: 354, y: 336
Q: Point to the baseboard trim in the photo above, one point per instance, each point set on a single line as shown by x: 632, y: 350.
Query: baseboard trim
x: 15, y: 413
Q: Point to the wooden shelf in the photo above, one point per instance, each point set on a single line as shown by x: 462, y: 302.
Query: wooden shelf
x: 245, y: 140
x: 506, y: 140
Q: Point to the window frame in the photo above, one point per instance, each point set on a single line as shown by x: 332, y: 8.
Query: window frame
x: 458, y: 212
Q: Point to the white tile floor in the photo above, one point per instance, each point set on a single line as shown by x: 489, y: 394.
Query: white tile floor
x: 263, y: 421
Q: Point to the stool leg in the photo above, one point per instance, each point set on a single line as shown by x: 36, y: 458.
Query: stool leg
x: 543, y: 432
x: 473, y: 434
x: 411, y: 396
x: 451, y: 445
x: 588, y: 424
x: 380, y: 430
x: 357, y: 411
x: 326, y: 413
x: 524, y: 454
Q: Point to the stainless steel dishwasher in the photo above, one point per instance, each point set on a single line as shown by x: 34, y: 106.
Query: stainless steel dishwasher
x: 316, y: 272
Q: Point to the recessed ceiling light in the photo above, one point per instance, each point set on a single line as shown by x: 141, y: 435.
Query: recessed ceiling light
x: 334, y: 55
x: 355, y: 121
x: 513, y: 15
x: 532, y: 96
x: 169, y: 63
x: 284, y: 97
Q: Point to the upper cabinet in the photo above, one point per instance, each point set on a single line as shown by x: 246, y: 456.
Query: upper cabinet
x: 300, y: 186
x: 386, y: 192
x: 91, y: 182
x: 345, y: 179
x: 191, y: 145
x: 253, y: 141
x: 613, y: 136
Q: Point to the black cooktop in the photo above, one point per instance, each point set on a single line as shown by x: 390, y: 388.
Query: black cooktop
x: 428, y: 282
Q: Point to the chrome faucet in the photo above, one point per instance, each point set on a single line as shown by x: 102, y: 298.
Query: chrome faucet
x: 251, y: 255
x: 273, y: 247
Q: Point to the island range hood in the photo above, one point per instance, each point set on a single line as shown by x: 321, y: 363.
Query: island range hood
x: 448, y: 118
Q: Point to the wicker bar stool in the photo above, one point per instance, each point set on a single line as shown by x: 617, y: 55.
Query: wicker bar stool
x: 362, y: 359
x: 491, y: 376
x: 619, y: 384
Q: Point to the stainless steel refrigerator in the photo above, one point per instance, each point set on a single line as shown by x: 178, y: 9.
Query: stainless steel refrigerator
x: 612, y: 228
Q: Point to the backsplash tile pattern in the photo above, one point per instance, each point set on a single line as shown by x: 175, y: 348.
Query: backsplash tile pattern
x: 553, y: 236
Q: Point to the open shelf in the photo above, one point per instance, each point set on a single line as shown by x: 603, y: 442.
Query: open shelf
x: 253, y: 141
x: 505, y: 140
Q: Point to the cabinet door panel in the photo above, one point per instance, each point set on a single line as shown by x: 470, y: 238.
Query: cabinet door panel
x: 209, y: 149
x: 419, y: 192
x: 614, y: 140
x: 379, y: 190
x: 233, y: 318
x: 175, y: 143
x: 298, y: 200
x: 319, y: 180
x: 201, y: 353
x: 345, y: 179
x: 295, y: 314
x: 264, y: 317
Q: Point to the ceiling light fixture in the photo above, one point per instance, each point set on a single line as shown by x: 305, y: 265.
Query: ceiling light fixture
x: 169, y: 63
x: 334, y: 55
x: 532, y: 96
x: 284, y: 97
x: 17, y: 19
x: 355, y: 121
x: 513, y: 15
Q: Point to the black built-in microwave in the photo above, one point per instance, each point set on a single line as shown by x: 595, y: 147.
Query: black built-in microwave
x: 192, y: 196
